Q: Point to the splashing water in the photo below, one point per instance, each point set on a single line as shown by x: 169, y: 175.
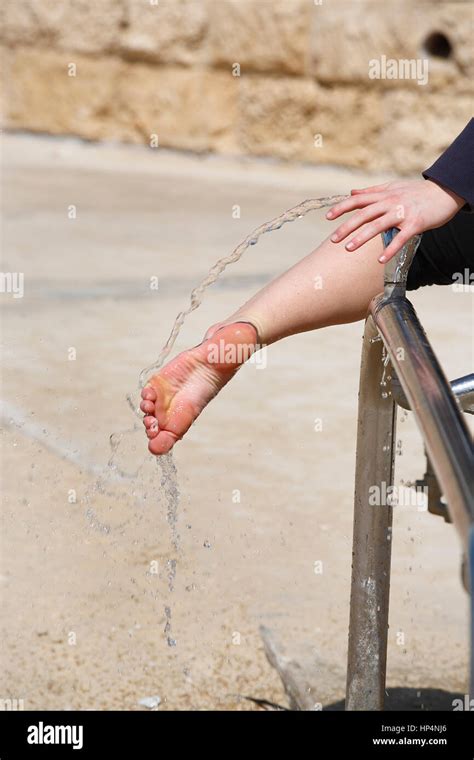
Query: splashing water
x: 385, y: 377
x: 195, y: 298
x: 171, y: 565
x: 169, y: 481
x: 167, y: 629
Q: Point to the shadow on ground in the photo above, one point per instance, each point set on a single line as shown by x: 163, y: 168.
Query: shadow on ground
x: 398, y: 699
x: 412, y: 700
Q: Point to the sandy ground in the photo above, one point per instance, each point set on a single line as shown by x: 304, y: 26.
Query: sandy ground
x: 263, y: 497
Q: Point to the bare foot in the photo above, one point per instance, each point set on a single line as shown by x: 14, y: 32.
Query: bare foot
x: 176, y: 396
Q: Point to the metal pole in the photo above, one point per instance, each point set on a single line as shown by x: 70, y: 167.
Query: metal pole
x: 371, y: 553
x: 448, y: 445
x: 437, y: 413
x: 371, y: 549
x: 470, y: 560
x: 462, y: 387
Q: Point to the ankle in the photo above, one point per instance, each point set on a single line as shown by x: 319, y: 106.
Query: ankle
x: 237, y: 319
x: 229, y: 345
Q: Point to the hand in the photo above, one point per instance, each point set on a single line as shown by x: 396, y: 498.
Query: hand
x: 412, y: 205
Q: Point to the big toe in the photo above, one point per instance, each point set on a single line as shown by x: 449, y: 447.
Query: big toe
x: 162, y: 443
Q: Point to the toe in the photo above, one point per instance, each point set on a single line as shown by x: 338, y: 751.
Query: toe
x: 147, y: 406
x: 149, y: 393
x: 151, y: 425
x: 162, y: 443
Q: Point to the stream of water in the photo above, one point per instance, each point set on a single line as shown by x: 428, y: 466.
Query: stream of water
x: 169, y: 479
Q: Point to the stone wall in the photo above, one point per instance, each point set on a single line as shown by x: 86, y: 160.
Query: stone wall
x: 284, y: 78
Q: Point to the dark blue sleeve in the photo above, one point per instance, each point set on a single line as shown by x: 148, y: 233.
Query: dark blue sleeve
x: 455, y: 167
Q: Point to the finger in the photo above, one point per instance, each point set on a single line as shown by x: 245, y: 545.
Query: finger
x: 355, y: 201
x: 371, y: 230
x: 397, y: 243
x: 362, y: 217
x: 371, y: 189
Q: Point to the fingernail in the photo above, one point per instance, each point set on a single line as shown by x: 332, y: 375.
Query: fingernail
x: 350, y: 246
x: 334, y: 238
x: 329, y: 215
x: 382, y: 259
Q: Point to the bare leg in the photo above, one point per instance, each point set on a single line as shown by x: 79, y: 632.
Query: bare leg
x: 329, y: 286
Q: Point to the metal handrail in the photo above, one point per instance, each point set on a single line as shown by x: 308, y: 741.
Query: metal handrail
x: 433, y: 404
x: 462, y: 388
x: 429, y: 395
x: 428, y: 392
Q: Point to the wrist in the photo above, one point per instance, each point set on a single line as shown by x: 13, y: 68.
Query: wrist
x: 458, y: 201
